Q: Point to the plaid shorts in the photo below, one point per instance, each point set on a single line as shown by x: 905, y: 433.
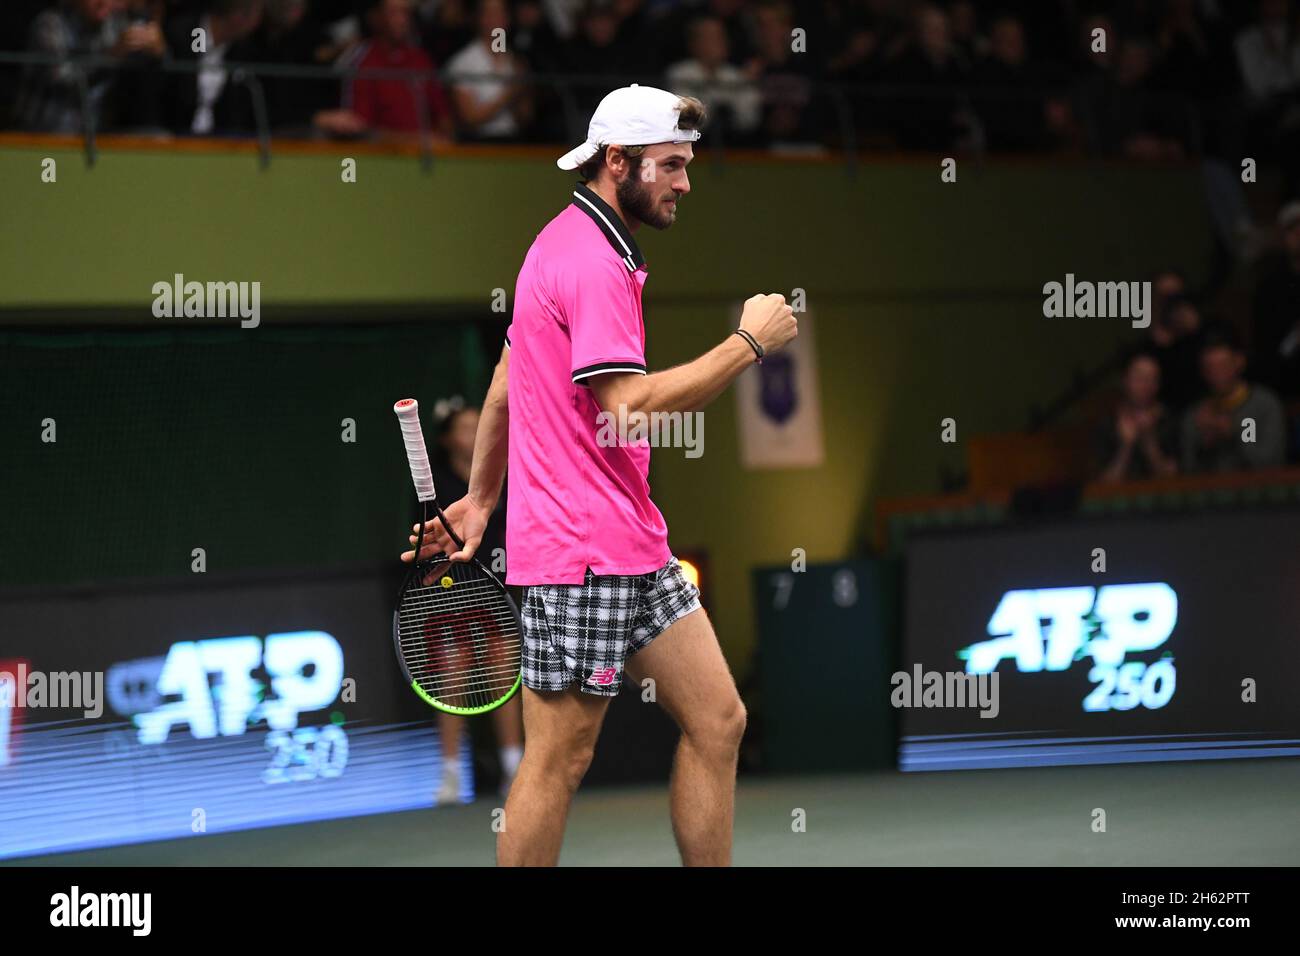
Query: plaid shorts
x: 585, y: 632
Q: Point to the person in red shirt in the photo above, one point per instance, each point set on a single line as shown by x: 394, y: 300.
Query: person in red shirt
x: 390, y: 104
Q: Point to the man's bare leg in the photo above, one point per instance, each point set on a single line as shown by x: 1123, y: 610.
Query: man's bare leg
x: 694, y: 685
x: 560, y: 731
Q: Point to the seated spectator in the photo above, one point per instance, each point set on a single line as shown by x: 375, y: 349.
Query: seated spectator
x: 927, y: 117
x: 444, y: 26
x: 1175, y: 342
x: 1136, y: 120
x: 596, y: 52
x: 1013, y: 101
x: 1186, y: 59
x: 1267, y: 53
x: 390, y: 104
x: 1214, y: 431
x: 1141, y: 439
x: 673, y: 31
x: 1277, y: 311
x: 535, y: 39
x: 138, y: 93
x: 635, y: 35
x: 785, y: 78
x: 50, y: 98
x: 291, y: 34
x: 1167, y: 285
x: 491, y: 108
x: 207, y: 101
x: 735, y: 106
x: 16, y: 18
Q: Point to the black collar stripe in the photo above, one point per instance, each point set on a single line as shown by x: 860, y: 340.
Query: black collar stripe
x: 619, y: 236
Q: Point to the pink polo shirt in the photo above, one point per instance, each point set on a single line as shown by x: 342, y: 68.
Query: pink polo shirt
x: 573, y: 502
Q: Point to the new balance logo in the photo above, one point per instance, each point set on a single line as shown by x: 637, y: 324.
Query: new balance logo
x: 603, y: 678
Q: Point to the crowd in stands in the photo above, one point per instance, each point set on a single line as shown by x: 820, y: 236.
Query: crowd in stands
x: 1194, y: 399
x: 1141, y: 80
x: 1146, y: 79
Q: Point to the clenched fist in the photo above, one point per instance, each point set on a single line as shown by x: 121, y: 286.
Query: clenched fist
x: 769, y: 320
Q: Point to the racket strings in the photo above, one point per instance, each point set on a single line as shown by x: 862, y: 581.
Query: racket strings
x: 459, y: 635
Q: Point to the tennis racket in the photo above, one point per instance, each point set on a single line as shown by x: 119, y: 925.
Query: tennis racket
x: 456, y: 629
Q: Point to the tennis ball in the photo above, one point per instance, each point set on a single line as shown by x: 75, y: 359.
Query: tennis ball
x: 446, y: 582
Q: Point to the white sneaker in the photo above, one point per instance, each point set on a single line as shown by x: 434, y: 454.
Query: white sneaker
x: 449, y: 790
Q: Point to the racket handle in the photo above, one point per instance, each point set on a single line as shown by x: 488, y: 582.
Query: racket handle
x: 408, y: 416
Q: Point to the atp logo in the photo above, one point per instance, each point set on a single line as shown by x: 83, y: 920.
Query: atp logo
x: 1050, y: 629
x: 210, y: 685
x: 604, y: 677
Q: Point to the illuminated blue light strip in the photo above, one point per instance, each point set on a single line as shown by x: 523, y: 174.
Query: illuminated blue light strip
x: 1122, y: 743
x: 77, y: 786
x: 1040, y: 753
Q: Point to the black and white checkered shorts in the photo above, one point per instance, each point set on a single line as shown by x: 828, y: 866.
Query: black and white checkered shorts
x: 585, y: 632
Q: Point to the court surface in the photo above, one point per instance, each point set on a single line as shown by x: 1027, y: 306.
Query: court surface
x: 1224, y: 813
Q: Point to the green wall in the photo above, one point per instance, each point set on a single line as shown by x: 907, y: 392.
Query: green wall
x: 926, y: 296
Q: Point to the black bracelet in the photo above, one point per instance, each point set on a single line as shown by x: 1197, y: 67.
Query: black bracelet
x: 753, y: 344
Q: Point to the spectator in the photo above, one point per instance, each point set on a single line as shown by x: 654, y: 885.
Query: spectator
x: 735, y: 105
x: 1267, y: 53
x: 1167, y: 285
x: 856, y: 40
x: 495, y: 108
x: 141, y: 83
x: 1141, y: 439
x: 1013, y: 98
x: 1196, y: 63
x: 963, y: 23
x: 535, y: 39
x: 635, y: 36
x: 1175, y: 341
x: 564, y: 15
x: 16, y: 18
x: 931, y: 70
x: 673, y: 33
x: 1277, y: 311
x: 1239, y: 426
x: 50, y: 99
x: 596, y: 54
x: 290, y: 34
x: 1128, y: 117
x: 445, y: 27
x: 207, y: 102
x: 784, y: 77
x: 1186, y: 62
x: 399, y: 105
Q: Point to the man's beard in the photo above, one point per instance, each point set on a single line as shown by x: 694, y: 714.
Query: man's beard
x: 638, y: 201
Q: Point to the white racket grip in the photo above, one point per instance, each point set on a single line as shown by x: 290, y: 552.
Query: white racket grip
x: 408, y: 416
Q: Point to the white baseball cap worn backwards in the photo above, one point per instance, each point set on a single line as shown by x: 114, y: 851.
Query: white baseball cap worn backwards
x: 630, y: 116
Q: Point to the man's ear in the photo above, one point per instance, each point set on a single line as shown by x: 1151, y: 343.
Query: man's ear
x: 616, y: 160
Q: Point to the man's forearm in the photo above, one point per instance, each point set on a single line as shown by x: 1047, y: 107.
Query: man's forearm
x: 491, y: 443
x: 690, y: 387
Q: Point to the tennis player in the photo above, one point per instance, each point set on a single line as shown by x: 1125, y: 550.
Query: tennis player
x: 606, y: 600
